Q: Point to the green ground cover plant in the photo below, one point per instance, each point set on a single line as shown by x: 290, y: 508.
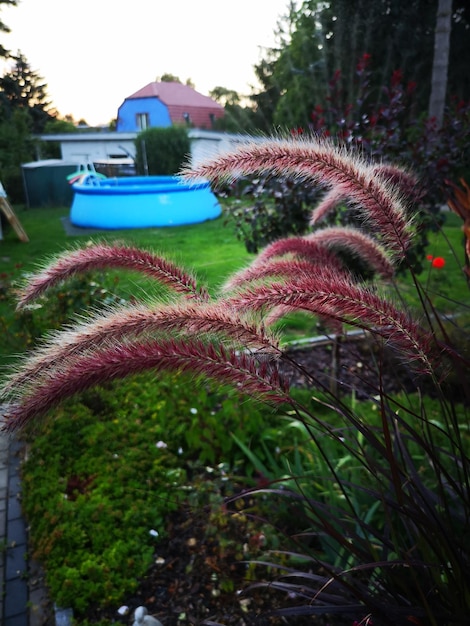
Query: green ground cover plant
x: 97, y: 511
x: 380, y: 489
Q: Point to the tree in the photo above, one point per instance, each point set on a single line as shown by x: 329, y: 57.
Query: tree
x: 24, y: 111
x: 168, y: 78
x: 4, y: 53
x: 320, y: 39
x: 440, y: 62
x: 16, y: 147
x: 171, y: 78
x: 224, y: 96
x: 162, y: 151
x: 23, y: 88
x: 237, y: 118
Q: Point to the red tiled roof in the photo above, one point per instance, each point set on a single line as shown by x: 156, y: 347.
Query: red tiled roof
x: 181, y: 99
x: 175, y: 94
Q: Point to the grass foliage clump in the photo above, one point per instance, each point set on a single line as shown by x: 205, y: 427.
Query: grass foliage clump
x: 381, y: 489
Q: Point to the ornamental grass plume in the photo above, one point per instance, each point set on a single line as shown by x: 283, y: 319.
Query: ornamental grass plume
x: 183, y: 319
x: 405, y: 560
x: 115, y: 256
x: 120, y: 359
x: 321, y: 162
x: 342, y: 300
x: 313, y: 278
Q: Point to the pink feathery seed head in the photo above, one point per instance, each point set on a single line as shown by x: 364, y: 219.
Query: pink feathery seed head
x: 329, y: 202
x: 300, y: 247
x: 285, y: 268
x: 406, y: 181
x: 127, y: 323
x: 104, y: 256
x: 358, y: 243
x: 320, y: 161
x: 238, y: 369
x: 341, y: 299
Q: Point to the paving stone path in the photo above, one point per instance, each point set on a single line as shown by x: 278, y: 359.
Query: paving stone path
x: 22, y: 597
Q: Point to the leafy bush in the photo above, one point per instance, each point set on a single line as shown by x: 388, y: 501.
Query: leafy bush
x: 23, y: 328
x: 263, y: 209
x: 386, y: 128
x: 162, y: 151
x: 16, y: 147
x: 391, y: 546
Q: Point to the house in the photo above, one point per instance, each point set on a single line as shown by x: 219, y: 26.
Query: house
x: 166, y: 104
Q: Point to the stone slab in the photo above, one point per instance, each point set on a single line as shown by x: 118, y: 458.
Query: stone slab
x: 16, y: 600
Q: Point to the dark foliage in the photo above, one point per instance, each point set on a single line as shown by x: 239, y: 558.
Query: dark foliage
x: 317, y: 39
x: 387, y: 130
x: 269, y: 208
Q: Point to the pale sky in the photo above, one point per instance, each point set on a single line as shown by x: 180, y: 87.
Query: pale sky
x: 92, y: 54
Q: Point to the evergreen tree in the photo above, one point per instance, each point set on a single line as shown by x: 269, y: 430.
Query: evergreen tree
x: 23, y: 88
x: 4, y: 53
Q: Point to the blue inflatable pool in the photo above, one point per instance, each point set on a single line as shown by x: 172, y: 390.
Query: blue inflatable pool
x: 141, y: 202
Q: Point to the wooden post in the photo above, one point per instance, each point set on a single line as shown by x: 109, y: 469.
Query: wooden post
x: 6, y: 209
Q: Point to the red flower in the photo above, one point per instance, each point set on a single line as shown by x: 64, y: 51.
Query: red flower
x: 429, y: 257
x: 438, y: 262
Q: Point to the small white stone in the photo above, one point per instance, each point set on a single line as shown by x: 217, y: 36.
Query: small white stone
x: 154, y: 532
x: 123, y: 610
x: 193, y: 410
x: 142, y: 618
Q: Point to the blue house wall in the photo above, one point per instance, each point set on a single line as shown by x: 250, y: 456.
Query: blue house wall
x: 129, y: 110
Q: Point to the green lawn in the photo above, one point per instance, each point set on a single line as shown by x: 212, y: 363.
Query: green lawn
x: 212, y: 251
x: 210, y: 248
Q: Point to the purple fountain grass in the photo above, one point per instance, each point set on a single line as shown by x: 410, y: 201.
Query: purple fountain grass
x: 287, y: 268
x: 321, y: 162
x: 101, y: 256
x: 358, y: 243
x: 405, y: 180
x: 277, y: 313
x: 227, y: 340
x: 341, y: 299
x: 128, y: 323
x: 328, y: 203
x: 314, y: 280
x: 239, y: 369
x: 300, y: 247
